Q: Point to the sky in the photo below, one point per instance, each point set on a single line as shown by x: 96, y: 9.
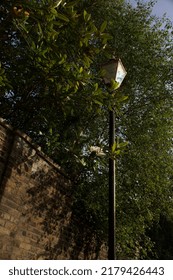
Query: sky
x: 161, y: 7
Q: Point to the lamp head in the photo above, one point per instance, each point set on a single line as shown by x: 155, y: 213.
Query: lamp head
x: 114, y: 70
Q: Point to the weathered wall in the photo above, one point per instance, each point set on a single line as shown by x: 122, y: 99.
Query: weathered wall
x: 36, y: 199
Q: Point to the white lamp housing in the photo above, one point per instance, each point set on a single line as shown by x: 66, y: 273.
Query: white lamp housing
x: 114, y: 70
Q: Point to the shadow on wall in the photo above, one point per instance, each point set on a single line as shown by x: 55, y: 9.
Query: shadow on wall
x: 6, y: 147
x: 66, y: 236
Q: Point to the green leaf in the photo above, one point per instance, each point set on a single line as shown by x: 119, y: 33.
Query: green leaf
x: 81, y: 70
x: 114, y: 85
x: 96, y: 86
x: 105, y: 38
x: 54, y: 11
x: 51, y: 131
x: 62, y: 17
x: 103, y: 26
x: 87, y: 16
x: 98, y: 102
x: 114, y: 147
x: 122, y: 98
x: 123, y: 144
x: 58, y: 3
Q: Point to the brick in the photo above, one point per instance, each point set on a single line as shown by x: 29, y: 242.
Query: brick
x: 4, y: 230
x: 11, y: 226
x: 6, y: 216
x: 25, y: 246
x: 2, y: 222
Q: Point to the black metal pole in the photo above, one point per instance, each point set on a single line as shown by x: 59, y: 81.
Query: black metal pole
x: 112, y: 185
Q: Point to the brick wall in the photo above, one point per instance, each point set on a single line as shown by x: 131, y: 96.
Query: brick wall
x: 36, y: 199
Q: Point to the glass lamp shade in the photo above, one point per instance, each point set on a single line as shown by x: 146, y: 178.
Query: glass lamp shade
x: 114, y: 70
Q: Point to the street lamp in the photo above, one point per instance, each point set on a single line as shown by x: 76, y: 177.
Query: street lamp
x: 112, y: 70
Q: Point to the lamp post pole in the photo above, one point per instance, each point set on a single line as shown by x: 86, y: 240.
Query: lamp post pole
x: 112, y: 191
x: 113, y: 70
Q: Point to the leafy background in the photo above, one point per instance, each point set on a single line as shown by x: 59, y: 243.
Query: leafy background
x: 51, y: 88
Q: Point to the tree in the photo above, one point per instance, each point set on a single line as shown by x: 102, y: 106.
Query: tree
x: 52, y: 89
x: 49, y: 54
x: 145, y: 121
x: 161, y: 235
